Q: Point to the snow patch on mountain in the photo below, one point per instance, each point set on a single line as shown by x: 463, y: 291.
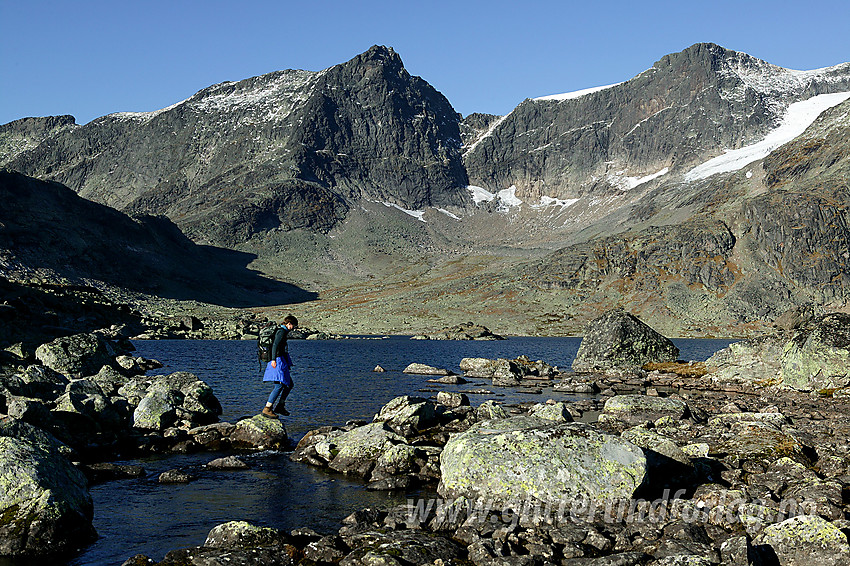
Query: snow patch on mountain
x: 576, y: 93
x: 418, y: 214
x: 488, y: 133
x: 627, y: 183
x: 798, y: 117
x: 551, y: 201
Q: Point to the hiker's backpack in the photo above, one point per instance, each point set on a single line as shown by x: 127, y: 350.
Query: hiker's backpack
x: 265, y: 341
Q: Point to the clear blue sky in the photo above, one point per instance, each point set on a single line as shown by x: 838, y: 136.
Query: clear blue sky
x: 91, y: 58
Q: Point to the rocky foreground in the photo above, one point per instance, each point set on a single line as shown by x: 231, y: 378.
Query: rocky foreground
x: 671, y: 463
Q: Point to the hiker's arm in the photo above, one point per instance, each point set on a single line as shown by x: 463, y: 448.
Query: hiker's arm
x: 278, y: 338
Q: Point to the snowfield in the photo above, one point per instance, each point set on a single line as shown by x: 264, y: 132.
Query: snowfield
x: 799, y: 116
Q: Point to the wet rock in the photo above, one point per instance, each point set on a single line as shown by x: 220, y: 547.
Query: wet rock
x: 803, y: 541
x: 106, y: 471
x: 525, y: 458
x: 228, y: 463
x: 618, y: 340
x: 244, y: 535
x: 423, y: 369
x: 636, y: 409
x: 176, y: 476
x: 75, y: 356
x: 379, y: 369
x: 449, y: 380
x: 260, y: 433
x: 45, y: 505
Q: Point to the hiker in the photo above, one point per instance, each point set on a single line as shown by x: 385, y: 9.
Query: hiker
x: 277, y: 370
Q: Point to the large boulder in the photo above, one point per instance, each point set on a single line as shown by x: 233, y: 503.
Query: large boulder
x: 815, y: 358
x: 175, y: 397
x: 407, y: 415
x: 357, y: 451
x: 618, y: 340
x: 818, y: 357
x: 803, y: 541
x: 45, y: 506
x: 79, y: 355
x: 524, y: 458
x: 259, y: 432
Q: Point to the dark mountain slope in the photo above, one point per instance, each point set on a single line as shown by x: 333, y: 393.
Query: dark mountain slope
x: 45, y: 228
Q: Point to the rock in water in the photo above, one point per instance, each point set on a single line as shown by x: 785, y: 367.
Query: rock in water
x: 524, y: 458
x: 261, y: 433
x: 619, y: 340
x: 45, y: 506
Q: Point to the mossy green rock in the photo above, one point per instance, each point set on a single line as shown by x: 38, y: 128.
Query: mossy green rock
x: 804, y: 541
x: 360, y: 448
x: 815, y: 358
x: 818, y: 357
x: 529, y: 459
x: 260, y: 432
x: 618, y: 340
x: 45, y: 506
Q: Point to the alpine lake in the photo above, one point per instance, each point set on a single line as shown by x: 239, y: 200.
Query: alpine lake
x: 334, y: 383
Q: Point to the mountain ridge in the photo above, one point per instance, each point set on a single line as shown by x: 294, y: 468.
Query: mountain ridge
x: 361, y: 183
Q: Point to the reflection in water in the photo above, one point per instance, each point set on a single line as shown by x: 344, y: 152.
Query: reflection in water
x: 334, y: 383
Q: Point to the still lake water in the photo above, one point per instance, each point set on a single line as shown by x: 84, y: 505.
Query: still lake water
x: 334, y: 383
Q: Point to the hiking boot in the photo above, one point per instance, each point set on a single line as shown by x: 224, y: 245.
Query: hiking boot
x: 269, y: 413
x: 282, y: 411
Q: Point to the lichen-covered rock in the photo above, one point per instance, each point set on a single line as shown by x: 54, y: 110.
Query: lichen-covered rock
x: 406, y: 415
x: 358, y: 449
x: 45, y: 506
x: 636, y: 409
x: 76, y: 356
x: 397, y: 548
x: 242, y: 535
x: 804, y: 541
x: 552, y: 412
x: 261, y: 433
x: 818, y: 357
x: 489, y: 409
x: 36, y: 381
x: 528, y: 459
x: 619, y: 340
x: 815, y: 358
x: 178, y: 396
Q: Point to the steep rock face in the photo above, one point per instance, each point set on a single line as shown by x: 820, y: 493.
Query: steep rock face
x: 279, y: 151
x: 687, y: 107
